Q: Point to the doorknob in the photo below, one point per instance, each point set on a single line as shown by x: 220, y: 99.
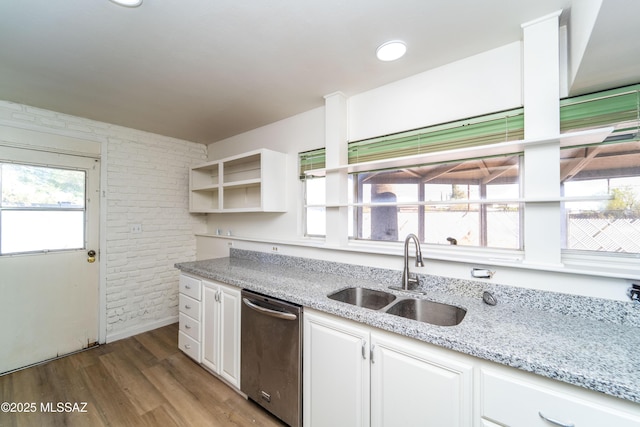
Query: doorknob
x: 91, y: 256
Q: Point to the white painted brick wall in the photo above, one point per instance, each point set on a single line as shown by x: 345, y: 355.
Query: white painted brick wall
x: 147, y: 184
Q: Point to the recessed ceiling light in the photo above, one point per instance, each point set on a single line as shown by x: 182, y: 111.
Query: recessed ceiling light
x: 390, y: 51
x: 128, y: 3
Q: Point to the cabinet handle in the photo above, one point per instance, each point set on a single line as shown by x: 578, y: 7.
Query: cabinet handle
x: 187, y: 326
x: 187, y: 346
x: 555, y: 422
x: 254, y: 305
x: 187, y: 287
x: 371, y: 353
x: 187, y: 307
x: 364, y: 354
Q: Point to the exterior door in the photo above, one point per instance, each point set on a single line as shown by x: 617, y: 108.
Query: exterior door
x: 49, y: 269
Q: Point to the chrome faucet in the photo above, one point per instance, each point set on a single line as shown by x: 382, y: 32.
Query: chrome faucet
x: 407, y: 278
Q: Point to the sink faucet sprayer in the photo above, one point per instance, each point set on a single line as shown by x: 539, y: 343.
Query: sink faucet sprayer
x: 406, y: 276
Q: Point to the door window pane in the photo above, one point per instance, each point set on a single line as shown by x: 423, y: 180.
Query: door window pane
x: 28, y: 231
x: 41, y: 208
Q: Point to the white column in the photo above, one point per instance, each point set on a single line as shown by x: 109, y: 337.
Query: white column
x: 336, y: 181
x: 541, y: 91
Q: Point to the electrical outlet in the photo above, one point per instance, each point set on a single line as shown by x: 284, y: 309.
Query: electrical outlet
x: 136, y: 228
x: 274, y: 248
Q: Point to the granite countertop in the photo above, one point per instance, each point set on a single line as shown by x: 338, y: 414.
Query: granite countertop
x: 583, y: 341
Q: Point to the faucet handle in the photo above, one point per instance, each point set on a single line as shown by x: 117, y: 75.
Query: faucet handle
x: 414, y: 280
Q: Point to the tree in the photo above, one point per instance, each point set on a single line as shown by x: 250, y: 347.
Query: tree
x: 624, y: 199
x: 457, y: 192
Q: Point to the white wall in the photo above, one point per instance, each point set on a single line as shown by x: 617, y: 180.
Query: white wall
x: 481, y: 84
x: 145, y: 181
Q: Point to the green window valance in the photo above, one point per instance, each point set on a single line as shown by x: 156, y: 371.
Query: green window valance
x: 313, y: 159
x: 473, y: 132
x: 619, y: 108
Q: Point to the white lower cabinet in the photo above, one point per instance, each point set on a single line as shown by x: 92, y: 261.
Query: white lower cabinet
x: 358, y: 376
x: 221, y: 330
x: 335, y: 372
x: 209, y: 326
x: 413, y: 384
x: 512, y: 398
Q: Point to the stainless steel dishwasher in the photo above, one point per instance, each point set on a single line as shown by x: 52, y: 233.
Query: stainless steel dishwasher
x: 271, y: 363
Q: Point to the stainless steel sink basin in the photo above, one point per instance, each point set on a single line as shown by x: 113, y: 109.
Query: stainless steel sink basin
x: 363, y: 297
x: 428, y: 311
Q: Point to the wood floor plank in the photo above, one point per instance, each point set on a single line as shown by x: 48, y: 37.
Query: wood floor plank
x: 164, y: 416
x: 190, y: 375
x: 161, y: 344
x: 192, y: 410
x: 139, y: 381
x: 107, y: 398
x: 236, y: 408
x: 141, y: 393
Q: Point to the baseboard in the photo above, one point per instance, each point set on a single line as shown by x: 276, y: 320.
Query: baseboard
x: 119, y: 335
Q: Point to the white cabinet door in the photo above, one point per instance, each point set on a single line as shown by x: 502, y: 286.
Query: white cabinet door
x: 210, y: 326
x: 413, y: 386
x: 221, y: 330
x: 229, y: 366
x: 335, y: 373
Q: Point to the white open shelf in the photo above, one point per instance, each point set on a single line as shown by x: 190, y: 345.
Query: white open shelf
x: 250, y: 182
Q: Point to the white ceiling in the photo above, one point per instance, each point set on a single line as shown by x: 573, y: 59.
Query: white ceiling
x: 203, y: 70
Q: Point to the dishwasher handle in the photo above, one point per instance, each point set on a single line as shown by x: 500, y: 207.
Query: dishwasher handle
x: 273, y: 313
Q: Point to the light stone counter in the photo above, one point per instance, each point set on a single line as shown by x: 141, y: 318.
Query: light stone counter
x: 589, y: 342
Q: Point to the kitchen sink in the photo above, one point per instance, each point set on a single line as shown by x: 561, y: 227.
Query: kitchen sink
x: 428, y: 311
x: 363, y: 297
x: 421, y: 310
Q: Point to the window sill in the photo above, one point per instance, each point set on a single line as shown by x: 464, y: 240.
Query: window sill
x: 471, y: 202
x: 598, y: 265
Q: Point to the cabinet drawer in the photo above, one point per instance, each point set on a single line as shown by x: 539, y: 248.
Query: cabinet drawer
x: 189, y: 346
x: 190, y: 286
x: 189, y: 306
x: 515, y: 401
x: 189, y: 326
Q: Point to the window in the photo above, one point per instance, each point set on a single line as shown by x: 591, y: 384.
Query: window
x: 608, y: 225
x: 608, y: 173
x: 447, y: 203
x: 442, y: 203
x: 41, y: 208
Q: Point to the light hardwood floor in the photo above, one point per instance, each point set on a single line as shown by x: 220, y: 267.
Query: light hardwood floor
x: 139, y: 381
